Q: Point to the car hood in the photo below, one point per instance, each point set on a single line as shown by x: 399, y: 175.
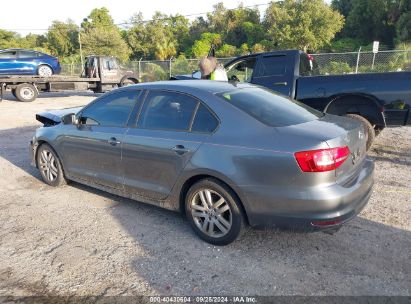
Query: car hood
x: 53, y: 117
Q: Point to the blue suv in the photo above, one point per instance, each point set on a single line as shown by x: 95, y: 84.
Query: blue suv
x: 28, y: 62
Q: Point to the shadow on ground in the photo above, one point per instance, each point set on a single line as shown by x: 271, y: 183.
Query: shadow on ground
x: 8, y: 96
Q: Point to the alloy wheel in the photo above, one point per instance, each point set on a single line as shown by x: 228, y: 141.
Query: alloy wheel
x: 48, y: 165
x: 211, y: 213
x: 45, y: 71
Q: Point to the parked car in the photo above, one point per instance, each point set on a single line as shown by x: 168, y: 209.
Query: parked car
x: 226, y: 154
x: 376, y: 99
x: 28, y: 62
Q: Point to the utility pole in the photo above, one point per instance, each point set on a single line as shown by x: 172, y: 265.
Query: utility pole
x: 81, y: 50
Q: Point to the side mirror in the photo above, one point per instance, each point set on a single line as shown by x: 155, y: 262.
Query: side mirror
x: 196, y: 75
x: 69, y: 119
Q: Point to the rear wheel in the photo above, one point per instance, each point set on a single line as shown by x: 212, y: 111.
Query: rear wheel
x: 44, y: 71
x: 26, y: 92
x: 50, y: 167
x: 368, y: 128
x: 214, y: 212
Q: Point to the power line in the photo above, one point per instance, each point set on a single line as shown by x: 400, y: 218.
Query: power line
x: 148, y: 20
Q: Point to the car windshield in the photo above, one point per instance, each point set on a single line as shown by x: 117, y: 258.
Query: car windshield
x: 270, y: 108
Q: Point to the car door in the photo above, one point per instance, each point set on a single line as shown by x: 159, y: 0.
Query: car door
x: 8, y: 63
x: 273, y: 72
x: 156, y: 151
x: 242, y: 69
x: 91, y: 149
x: 109, y: 70
x: 27, y: 62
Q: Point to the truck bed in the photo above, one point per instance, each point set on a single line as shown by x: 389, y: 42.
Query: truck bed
x: 5, y: 79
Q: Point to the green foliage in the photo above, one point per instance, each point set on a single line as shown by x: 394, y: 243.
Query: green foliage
x: 183, y: 66
x: 202, y: 46
x: 244, y: 49
x: 387, y: 21
x: 301, y: 24
x: 104, y: 41
x: 102, y: 37
x: 153, y: 72
x: 403, y: 27
x: 99, y: 17
x: 160, y: 38
x: 62, y: 38
x: 226, y: 50
x: 335, y: 68
x: 343, y: 45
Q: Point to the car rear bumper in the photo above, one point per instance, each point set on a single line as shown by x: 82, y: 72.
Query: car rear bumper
x: 319, y: 208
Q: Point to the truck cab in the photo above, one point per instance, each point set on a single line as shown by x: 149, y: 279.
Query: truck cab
x: 108, y: 70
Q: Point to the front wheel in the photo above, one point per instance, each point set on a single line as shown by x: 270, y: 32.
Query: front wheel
x: 50, y: 167
x: 368, y: 128
x: 214, y: 212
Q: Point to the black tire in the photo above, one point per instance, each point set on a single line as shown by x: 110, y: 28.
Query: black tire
x: 26, y: 92
x: 127, y: 81
x: 50, y: 167
x: 368, y: 128
x: 233, y: 215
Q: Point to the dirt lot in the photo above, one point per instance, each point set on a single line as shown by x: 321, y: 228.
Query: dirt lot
x: 76, y: 240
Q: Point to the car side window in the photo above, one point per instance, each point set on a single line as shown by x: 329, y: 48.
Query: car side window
x: 204, y: 121
x: 270, y: 66
x: 242, y: 69
x: 167, y: 111
x: 8, y: 55
x: 26, y: 54
x: 110, y: 64
x: 112, y: 109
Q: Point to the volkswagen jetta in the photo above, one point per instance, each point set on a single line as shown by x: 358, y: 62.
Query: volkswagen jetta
x: 226, y: 154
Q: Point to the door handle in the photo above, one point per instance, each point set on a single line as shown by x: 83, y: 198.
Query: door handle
x: 113, y: 141
x: 284, y: 83
x: 180, y: 149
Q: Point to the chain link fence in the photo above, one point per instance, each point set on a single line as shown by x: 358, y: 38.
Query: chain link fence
x: 362, y: 62
x: 325, y: 64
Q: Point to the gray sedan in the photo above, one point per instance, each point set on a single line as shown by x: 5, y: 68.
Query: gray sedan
x: 226, y: 154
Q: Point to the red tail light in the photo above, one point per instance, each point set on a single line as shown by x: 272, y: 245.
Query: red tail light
x: 322, y: 160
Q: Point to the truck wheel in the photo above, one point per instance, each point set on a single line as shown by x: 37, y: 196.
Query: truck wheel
x: 368, y: 128
x: 26, y: 92
x: 44, y: 71
x: 127, y: 82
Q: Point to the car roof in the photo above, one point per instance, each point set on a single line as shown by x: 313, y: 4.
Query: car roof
x: 210, y: 86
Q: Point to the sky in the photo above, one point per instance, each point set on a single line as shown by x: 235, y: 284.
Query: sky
x: 36, y: 16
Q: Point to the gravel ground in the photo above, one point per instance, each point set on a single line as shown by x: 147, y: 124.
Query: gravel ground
x: 75, y: 240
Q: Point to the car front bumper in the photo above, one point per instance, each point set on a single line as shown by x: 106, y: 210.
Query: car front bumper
x: 314, y: 209
x: 33, y: 145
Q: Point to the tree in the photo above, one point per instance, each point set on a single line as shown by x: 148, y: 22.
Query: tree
x: 102, y: 37
x: 226, y: 50
x: 62, y: 38
x: 368, y: 20
x: 9, y: 39
x: 302, y: 24
x: 201, y: 47
x: 403, y: 27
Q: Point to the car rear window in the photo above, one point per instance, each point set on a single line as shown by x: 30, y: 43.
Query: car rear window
x: 270, y: 108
